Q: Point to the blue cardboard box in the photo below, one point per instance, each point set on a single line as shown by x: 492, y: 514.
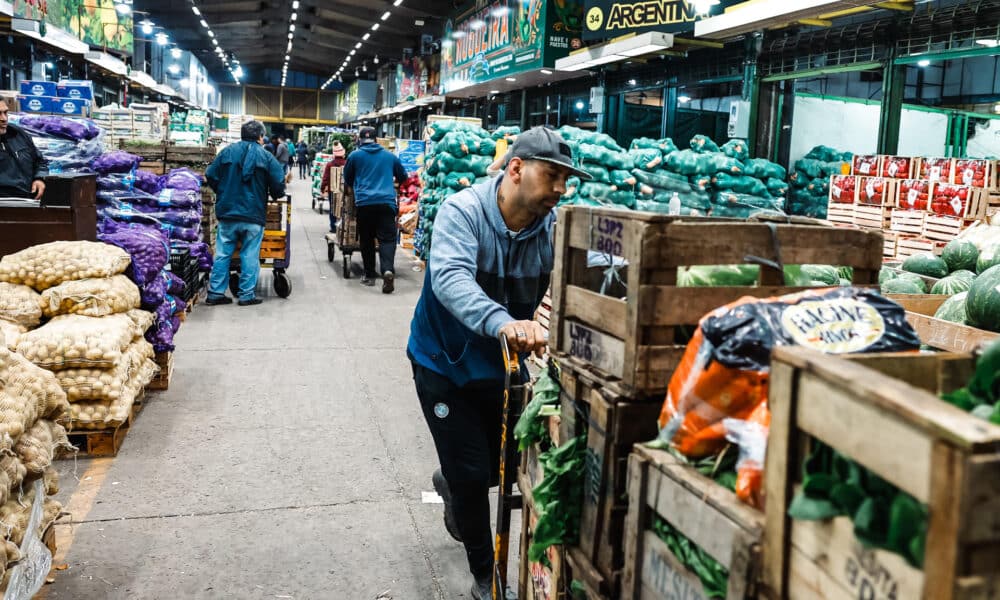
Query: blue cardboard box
x: 70, y: 106
x: 38, y: 88
x: 36, y: 103
x: 76, y: 89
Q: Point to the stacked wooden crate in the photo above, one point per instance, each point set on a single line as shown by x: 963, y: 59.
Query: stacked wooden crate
x: 620, y: 332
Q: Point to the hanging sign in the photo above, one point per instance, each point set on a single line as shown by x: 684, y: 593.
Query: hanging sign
x: 613, y: 18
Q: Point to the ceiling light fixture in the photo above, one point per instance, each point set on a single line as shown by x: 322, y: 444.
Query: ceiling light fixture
x: 295, y: 5
x: 364, y: 67
x: 162, y: 39
x: 358, y: 46
x: 683, y: 99
x: 174, y: 69
x: 477, y: 25
x: 291, y: 27
x: 195, y: 10
x: 204, y: 24
x: 375, y: 27
x: 215, y: 41
x: 123, y: 9
x: 500, y: 11
x: 419, y: 22
x: 355, y: 71
x: 175, y: 52
x: 210, y: 34
x: 147, y: 27
x: 291, y: 35
x: 295, y: 16
x: 352, y: 52
x: 546, y: 72
x: 376, y: 59
x: 511, y: 79
x: 924, y: 63
x: 397, y: 2
x: 385, y: 15
x: 366, y: 36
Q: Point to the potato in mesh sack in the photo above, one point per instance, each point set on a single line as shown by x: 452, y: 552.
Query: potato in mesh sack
x: 51, y: 480
x: 20, y: 304
x: 724, y: 374
x: 10, y: 333
x: 91, y: 297
x: 15, y: 514
x: 78, y: 341
x: 105, y: 384
x: 39, y: 445
x: 102, y: 414
x: 12, y: 469
x: 48, y: 265
x: 12, y: 552
x: 27, y: 392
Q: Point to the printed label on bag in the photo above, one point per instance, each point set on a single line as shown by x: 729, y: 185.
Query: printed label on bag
x: 834, y: 326
x: 870, y: 189
x: 969, y: 176
x: 893, y: 169
x: 912, y: 196
x: 935, y: 174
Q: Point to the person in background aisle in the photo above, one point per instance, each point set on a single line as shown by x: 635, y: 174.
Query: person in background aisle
x: 339, y: 160
x: 23, y: 169
x: 281, y: 152
x: 369, y: 172
x: 302, y: 157
x: 291, y: 152
x: 489, y: 266
x: 242, y: 175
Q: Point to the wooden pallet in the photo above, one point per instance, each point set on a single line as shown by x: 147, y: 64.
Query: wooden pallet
x: 633, y: 332
x: 712, y: 517
x: 883, y: 412
x: 96, y: 443
x: 615, y: 422
x: 165, y: 361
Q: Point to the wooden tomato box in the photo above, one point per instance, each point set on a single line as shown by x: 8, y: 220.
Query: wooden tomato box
x: 959, y: 201
x: 936, y: 169
x: 889, y: 241
x: 633, y: 332
x: 942, y: 229
x: 538, y: 581
x: 868, y: 165
x: 709, y: 515
x: 913, y: 194
x: 841, y: 214
x: 899, y: 167
x: 882, y: 412
x: 876, y: 191
x: 907, y: 221
x: 977, y: 173
x: 615, y: 423
x: 908, y: 246
x: 843, y: 189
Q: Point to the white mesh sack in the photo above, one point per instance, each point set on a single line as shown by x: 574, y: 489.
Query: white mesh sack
x: 77, y: 341
x: 10, y: 333
x: 106, y: 414
x: 20, y: 304
x: 105, y: 384
x: 47, y: 265
x: 91, y: 297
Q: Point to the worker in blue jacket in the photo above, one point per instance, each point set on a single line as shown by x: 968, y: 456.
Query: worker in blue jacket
x: 369, y: 174
x: 242, y: 176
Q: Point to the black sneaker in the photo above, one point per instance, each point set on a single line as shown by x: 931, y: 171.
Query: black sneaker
x: 388, y: 282
x: 482, y: 589
x: 253, y: 302
x: 368, y: 281
x: 441, y: 487
x: 218, y: 301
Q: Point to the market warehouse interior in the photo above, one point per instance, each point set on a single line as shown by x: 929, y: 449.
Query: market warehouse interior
x: 590, y: 299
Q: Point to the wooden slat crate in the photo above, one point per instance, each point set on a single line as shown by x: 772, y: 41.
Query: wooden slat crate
x: 840, y: 213
x: 709, y: 515
x: 936, y: 169
x: 872, y: 217
x: 157, y: 167
x: 962, y: 201
x: 889, y: 241
x: 632, y: 332
x: 615, y: 423
x: 867, y: 165
x: 843, y: 189
x: 908, y: 246
x: 537, y: 581
x: 942, y: 229
x: 899, y: 167
x: 883, y: 412
x: 913, y: 194
x: 165, y: 361
x: 948, y: 336
x: 907, y: 221
x: 103, y: 442
x: 876, y: 191
x: 922, y: 304
x: 981, y: 173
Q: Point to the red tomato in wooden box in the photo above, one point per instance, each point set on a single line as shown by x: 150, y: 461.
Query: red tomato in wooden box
x: 842, y: 189
x: 871, y: 191
x: 913, y: 194
x: 936, y: 169
x: 971, y: 172
x: 950, y: 200
x: 865, y: 165
x: 896, y: 166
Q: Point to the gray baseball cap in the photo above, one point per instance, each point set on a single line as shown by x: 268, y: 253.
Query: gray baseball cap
x: 542, y: 143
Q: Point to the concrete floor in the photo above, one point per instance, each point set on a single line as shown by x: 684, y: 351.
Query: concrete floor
x: 287, y: 460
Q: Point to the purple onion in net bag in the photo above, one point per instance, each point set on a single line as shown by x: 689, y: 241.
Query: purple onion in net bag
x: 161, y: 336
x: 201, y: 251
x: 177, y: 305
x: 182, y: 179
x: 153, y: 294
x: 148, y: 182
x: 148, y: 248
x: 175, y: 285
x: 117, y: 161
x: 175, y: 323
x: 114, y: 182
x: 179, y: 198
x: 64, y: 127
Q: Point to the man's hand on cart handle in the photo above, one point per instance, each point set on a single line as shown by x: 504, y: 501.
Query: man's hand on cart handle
x: 525, y: 336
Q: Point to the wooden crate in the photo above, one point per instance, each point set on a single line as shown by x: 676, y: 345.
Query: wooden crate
x: 867, y: 165
x: 535, y: 580
x: 103, y: 442
x: 908, y: 246
x: 945, y: 335
x: 899, y: 167
x: 922, y: 304
x: 840, y: 213
x: 942, y: 229
x: 337, y: 180
x: 936, y: 169
x: 711, y: 516
x: 883, y: 412
x: 975, y: 205
x: 615, y: 422
x: 966, y: 169
x: 872, y: 217
x: 889, y: 241
x: 876, y: 191
x: 157, y: 167
x: 165, y: 361
x: 907, y: 221
x: 632, y: 333
x: 843, y: 189
x: 913, y: 194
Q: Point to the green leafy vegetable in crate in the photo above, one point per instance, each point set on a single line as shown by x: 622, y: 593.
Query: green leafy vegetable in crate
x: 714, y: 577
x: 884, y: 517
x: 530, y: 428
x: 559, y: 497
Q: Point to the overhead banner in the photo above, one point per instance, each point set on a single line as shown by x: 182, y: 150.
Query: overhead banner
x: 507, y: 37
x: 612, y: 18
x: 95, y: 22
x: 417, y: 77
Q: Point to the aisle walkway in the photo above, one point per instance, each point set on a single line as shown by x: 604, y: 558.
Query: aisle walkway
x: 287, y: 460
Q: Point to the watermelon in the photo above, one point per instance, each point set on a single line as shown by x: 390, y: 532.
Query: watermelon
x: 886, y: 274
x: 953, y: 309
x: 903, y: 285
x: 927, y: 265
x: 963, y: 274
x: 989, y: 257
x: 718, y: 276
x: 952, y: 285
x: 821, y: 274
x: 915, y: 279
x: 982, y: 305
x: 960, y: 254
x: 845, y: 272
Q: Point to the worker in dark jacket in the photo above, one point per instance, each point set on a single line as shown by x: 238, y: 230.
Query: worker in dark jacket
x: 302, y: 157
x: 242, y: 175
x: 281, y: 152
x: 22, y: 167
x: 369, y: 173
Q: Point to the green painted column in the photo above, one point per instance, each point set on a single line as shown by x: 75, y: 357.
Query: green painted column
x: 669, y: 109
x: 893, y: 89
x: 751, y: 85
